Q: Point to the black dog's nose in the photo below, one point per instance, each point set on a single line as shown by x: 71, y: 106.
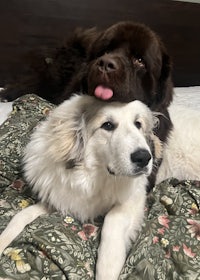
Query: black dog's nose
x: 107, y: 64
x: 141, y: 157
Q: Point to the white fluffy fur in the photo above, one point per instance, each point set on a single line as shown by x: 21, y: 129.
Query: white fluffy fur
x: 68, y: 160
x: 181, y: 153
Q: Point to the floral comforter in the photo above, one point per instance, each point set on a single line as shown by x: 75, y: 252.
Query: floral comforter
x: 57, y: 247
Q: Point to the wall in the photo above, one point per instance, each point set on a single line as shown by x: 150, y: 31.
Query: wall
x: 29, y: 24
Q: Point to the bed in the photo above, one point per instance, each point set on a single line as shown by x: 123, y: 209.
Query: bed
x: 58, y: 247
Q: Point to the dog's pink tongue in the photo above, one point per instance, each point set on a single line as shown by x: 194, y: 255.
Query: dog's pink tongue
x: 103, y: 92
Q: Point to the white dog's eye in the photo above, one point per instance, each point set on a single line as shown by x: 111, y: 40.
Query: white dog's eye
x: 108, y: 126
x: 138, y: 124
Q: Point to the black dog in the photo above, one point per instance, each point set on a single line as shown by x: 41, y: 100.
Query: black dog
x: 125, y: 62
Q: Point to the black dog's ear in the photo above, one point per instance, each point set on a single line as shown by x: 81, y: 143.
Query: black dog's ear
x: 165, y: 84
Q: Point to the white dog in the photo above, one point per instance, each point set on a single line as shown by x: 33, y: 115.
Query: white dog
x: 92, y: 158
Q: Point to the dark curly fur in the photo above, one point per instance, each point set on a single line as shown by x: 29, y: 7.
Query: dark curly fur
x: 125, y: 62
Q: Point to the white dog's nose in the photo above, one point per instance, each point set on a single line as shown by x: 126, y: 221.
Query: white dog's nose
x: 141, y: 157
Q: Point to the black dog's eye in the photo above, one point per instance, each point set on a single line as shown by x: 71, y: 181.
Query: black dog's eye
x: 138, y: 124
x: 108, y: 126
x: 138, y: 61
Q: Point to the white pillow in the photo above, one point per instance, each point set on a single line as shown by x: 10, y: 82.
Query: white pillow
x: 187, y: 96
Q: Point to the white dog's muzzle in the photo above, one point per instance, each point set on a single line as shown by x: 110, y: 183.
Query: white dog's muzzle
x: 141, y: 161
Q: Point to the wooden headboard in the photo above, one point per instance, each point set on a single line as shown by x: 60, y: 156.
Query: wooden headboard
x: 29, y: 24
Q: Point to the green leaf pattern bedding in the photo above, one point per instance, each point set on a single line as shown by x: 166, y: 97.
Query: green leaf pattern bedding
x: 58, y: 247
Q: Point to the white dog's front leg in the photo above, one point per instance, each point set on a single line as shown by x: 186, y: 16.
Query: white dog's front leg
x: 111, y: 255
x: 18, y: 222
x: 120, y: 225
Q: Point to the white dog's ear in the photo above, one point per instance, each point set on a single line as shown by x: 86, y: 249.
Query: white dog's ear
x: 68, y: 132
x: 156, y: 121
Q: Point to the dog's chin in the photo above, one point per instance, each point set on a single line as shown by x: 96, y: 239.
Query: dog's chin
x: 146, y: 171
x: 134, y: 173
